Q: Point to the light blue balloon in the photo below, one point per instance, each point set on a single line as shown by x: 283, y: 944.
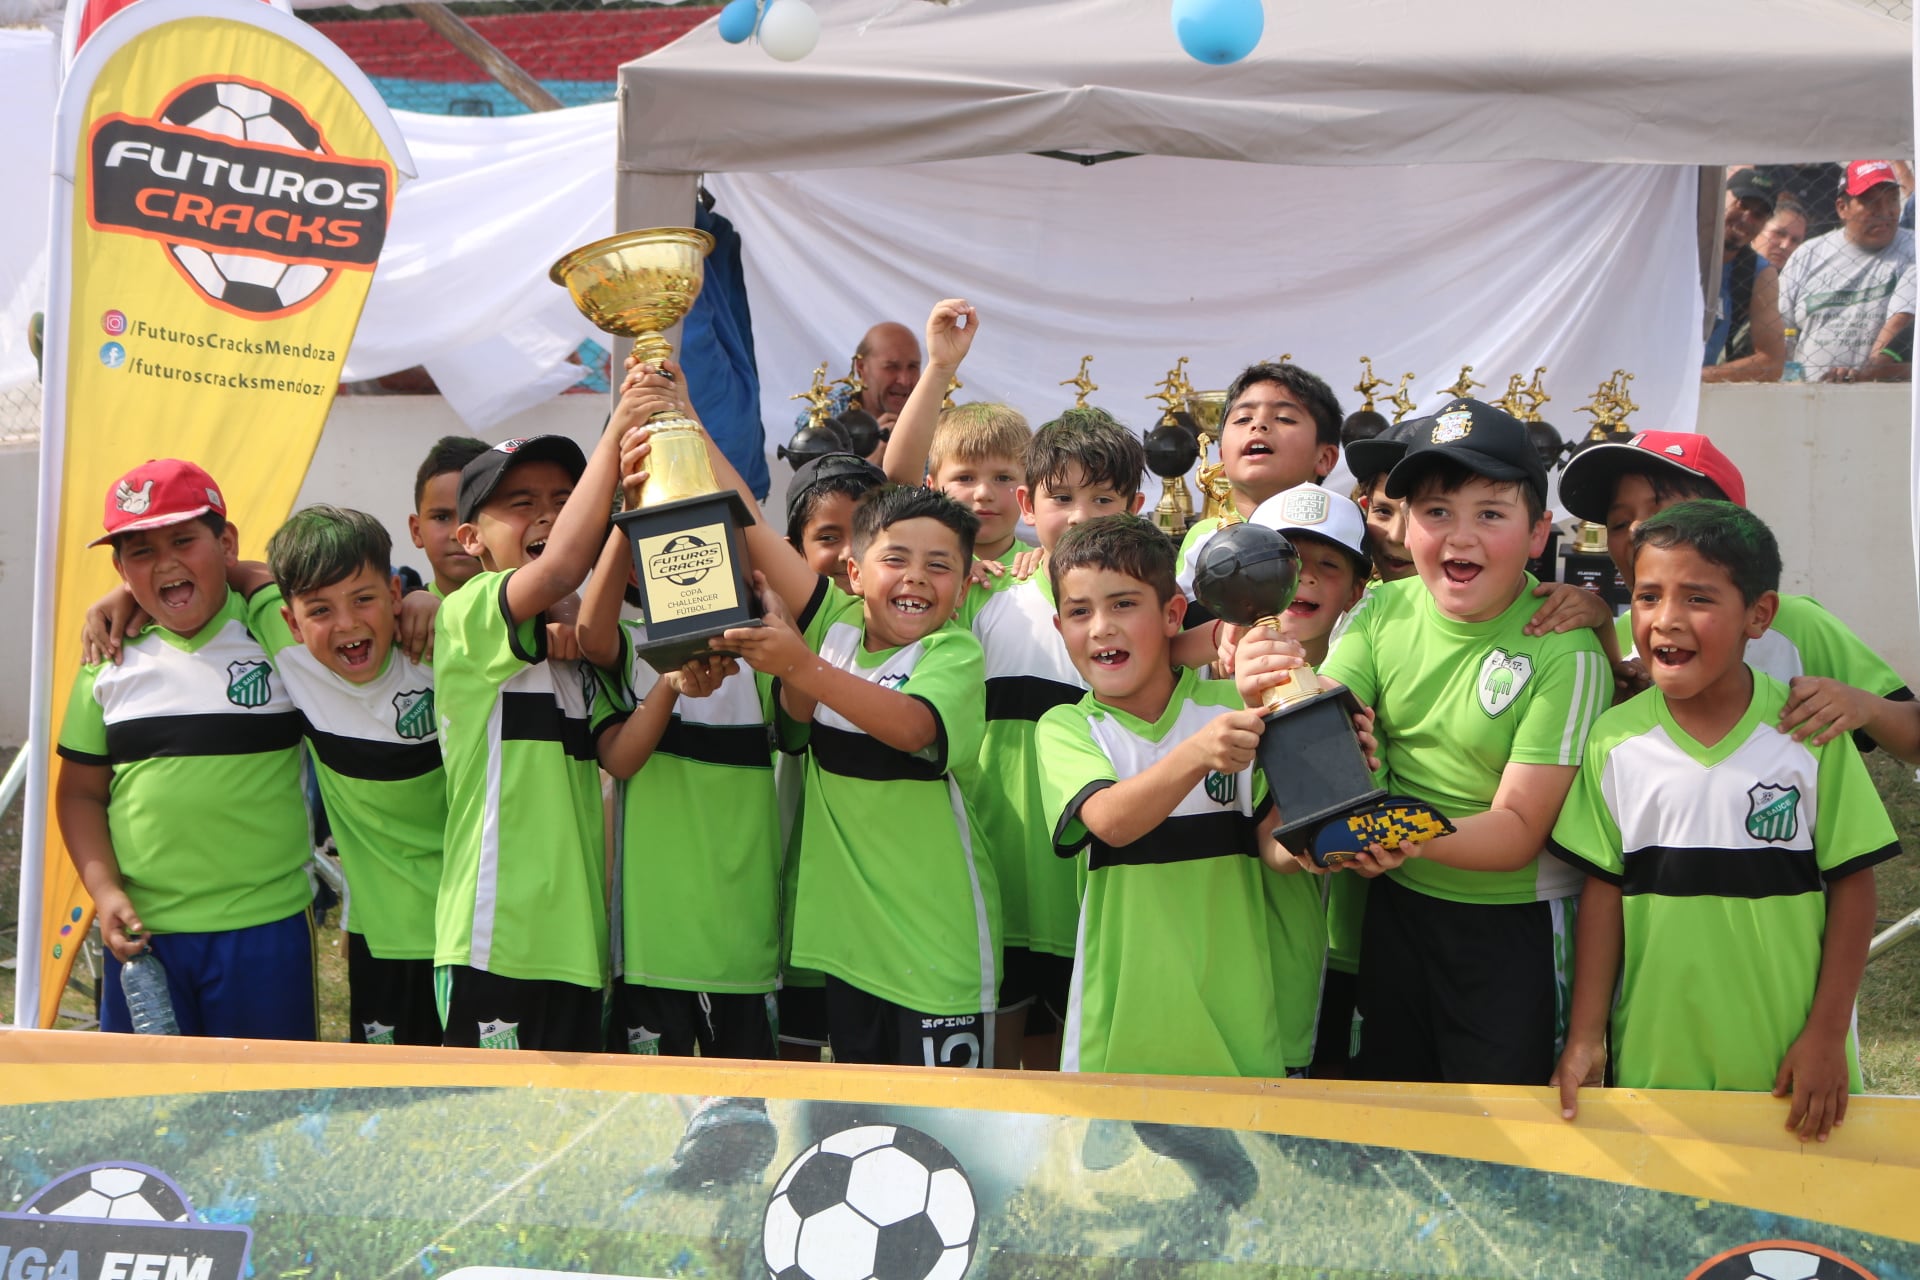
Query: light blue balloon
x: 738, y: 20
x: 1218, y: 31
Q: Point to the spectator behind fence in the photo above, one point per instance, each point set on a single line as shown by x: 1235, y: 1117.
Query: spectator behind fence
x: 1747, y: 343
x: 1850, y: 292
x: 1785, y: 231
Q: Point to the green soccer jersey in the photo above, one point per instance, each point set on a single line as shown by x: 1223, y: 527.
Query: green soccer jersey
x: 1176, y: 971
x: 1028, y: 674
x: 522, y: 891
x: 1806, y: 640
x: 699, y: 863
x: 896, y: 896
x: 1459, y: 701
x: 204, y: 806
x: 1197, y: 535
x: 376, y: 756
x: 1722, y: 855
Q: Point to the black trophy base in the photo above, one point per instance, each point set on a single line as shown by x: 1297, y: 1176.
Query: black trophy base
x: 690, y: 560
x: 1313, y: 763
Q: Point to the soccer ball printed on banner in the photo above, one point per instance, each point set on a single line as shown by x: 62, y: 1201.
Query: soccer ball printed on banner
x: 877, y: 1202
x: 1780, y: 1260
x: 246, y: 113
x: 116, y: 1192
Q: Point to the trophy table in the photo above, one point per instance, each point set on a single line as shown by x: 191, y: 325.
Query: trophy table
x: 1247, y: 574
x: 688, y: 533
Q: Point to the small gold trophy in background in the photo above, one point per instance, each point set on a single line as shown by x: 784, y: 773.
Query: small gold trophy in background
x: 1083, y: 385
x: 1402, y: 403
x: 688, y: 534
x: 1367, y: 385
x: 1171, y: 448
x: 1514, y: 401
x: 1206, y: 409
x: 1463, y: 385
x: 819, y: 396
x: 1536, y: 396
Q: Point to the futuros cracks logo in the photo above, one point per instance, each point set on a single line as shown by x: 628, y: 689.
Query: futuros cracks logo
x: 238, y: 185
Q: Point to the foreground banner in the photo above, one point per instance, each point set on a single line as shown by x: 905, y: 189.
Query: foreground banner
x: 224, y: 179
x: 126, y: 1157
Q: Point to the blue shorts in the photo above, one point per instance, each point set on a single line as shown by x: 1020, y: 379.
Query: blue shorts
x: 256, y: 984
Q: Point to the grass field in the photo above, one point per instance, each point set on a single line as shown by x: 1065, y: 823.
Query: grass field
x: 1889, y: 998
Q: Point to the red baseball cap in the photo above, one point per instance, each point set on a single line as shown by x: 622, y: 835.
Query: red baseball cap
x: 1586, y: 486
x: 1864, y: 175
x: 157, y: 493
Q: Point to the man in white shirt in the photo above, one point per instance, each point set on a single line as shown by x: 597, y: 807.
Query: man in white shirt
x: 1850, y: 293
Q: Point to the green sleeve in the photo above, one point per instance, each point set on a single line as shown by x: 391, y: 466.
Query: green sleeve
x: 609, y: 702
x: 1585, y: 834
x: 1072, y: 768
x: 976, y: 598
x: 475, y: 630
x: 1351, y: 661
x: 1197, y: 533
x: 1851, y: 831
x: 951, y: 678
x: 1570, y: 690
x: 829, y: 605
x: 1828, y: 647
x: 83, y: 731
x: 265, y: 621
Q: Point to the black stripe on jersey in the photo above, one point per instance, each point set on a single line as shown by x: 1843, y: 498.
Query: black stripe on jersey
x: 1028, y: 697
x: 744, y: 746
x: 539, y: 653
x: 814, y: 601
x: 1580, y: 864
x: 151, y: 737
x: 373, y: 761
x: 1721, y: 873
x: 939, y: 744
x: 1187, y: 837
x: 535, y: 717
x: 1071, y: 815
x: 857, y: 755
x: 82, y: 757
x: 1862, y: 862
x: 1863, y: 740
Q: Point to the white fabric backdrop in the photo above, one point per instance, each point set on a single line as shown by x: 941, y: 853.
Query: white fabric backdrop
x: 29, y: 80
x: 1583, y: 268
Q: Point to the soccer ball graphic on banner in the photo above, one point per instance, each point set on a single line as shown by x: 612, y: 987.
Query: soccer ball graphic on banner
x: 246, y: 113
x: 1780, y: 1260
x: 877, y: 1202
x: 119, y: 1192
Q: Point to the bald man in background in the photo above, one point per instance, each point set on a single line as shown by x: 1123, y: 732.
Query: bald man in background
x: 887, y: 362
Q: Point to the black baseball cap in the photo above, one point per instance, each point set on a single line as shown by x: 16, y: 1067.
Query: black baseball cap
x: 1479, y: 437
x: 1751, y: 184
x: 479, y: 478
x: 828, y: 466
x: 1376, y: 456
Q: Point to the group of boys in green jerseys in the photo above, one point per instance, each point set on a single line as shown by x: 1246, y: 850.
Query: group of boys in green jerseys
x: 995, y: 769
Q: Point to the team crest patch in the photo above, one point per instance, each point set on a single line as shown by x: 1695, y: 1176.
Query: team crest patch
x: 1502, y: 676
x: 377, y: 1032
x: 1305, y: 507
x: 249, y: 684
x: 413, y: 714
x: 131, y: 500
x: 1223, y: 788
x: 499, y: 1035
x: 894, y: 680
x: 1449, y: 427
x: 1773, y: 812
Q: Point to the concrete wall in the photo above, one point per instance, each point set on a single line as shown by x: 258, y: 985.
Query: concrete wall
x: 1827, y: 467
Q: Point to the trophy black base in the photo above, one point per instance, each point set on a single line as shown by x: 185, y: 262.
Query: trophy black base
x: 690, y: 559
x: 1312, y: 760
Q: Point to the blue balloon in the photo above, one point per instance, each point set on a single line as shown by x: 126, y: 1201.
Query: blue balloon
x: 1218, y: 31
x: 738, y: 20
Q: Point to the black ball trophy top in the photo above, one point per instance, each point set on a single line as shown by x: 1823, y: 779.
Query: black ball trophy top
x: 1246, y: 572
x: 1171, y: 450
x: 861, y: 429
x: 1363, y: 424
x: 811, y: 442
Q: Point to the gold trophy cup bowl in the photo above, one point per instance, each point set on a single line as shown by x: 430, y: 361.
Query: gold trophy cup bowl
x: 689, y: 548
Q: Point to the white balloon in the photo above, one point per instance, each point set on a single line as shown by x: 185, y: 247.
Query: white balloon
x: 789, y: 30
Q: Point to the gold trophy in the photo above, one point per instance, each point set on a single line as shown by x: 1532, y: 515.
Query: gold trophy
x: 1206, y: 408
x: 1083, y: 385
x: 688, y: 533
x: 1171, y: 449
x: 1536, y: 396
x: 1403, y: 404
x: 1462, y: 388
x: 1514, y: 402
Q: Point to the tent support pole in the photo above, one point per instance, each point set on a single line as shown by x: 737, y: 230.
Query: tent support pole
x: 1713, y: 236
x: 644, y: 199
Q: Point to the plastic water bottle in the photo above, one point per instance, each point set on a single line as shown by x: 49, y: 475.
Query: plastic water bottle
x: 1793, y: 370
x: 144, y: 981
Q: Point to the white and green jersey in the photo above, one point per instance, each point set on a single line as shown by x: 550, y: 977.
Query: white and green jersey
x: 1806, y: 640
x: 1457, y: 703
x: 522, y: 892
x: 1028, y: 674
x: 208, y: 823
x: 896, y: 896
x: 699, y: 859
x: 376, y: 756
x: 1722, y: 855
x: 1175, y: 971
x: 1197, y: 535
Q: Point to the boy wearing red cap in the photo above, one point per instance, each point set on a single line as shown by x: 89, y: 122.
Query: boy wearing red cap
x: 1838, y: 684
x: 154, y: 750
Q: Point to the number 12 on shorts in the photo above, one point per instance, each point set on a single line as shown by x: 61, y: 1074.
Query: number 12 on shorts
x: 951, y: 1041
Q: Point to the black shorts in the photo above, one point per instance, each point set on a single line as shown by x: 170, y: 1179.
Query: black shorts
x: 1458, y: 992
x: 1333, y: 1035
x: 803, y: 1016
x: 1039, y: 981
x: 487, y: 1011
x: 862, y: 1027
x: 389, y: 1001
x: 678, y: 1023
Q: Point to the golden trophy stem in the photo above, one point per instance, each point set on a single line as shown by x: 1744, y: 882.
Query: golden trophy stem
x: 1174, y: 508
x: 1301, y: 683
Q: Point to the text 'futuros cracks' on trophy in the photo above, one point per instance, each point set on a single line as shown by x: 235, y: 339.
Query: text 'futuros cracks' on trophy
x: 688, y: 533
